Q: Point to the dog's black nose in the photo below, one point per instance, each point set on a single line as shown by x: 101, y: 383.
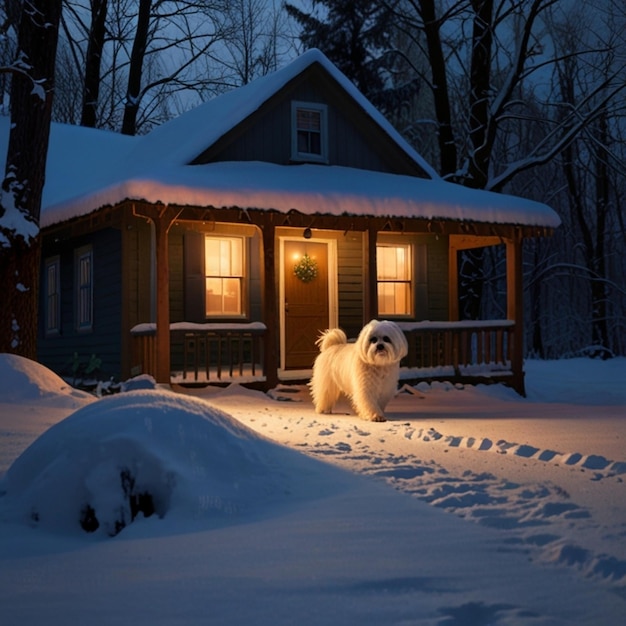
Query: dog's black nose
x: 380, y: 346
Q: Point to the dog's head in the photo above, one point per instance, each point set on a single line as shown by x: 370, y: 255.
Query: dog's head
x: 381, y: 343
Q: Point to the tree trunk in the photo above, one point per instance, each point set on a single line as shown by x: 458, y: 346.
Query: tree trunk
x: 93, y: 61
x: 480, y: 87
x: 599, y: 291
x: 445, y: 136
x: 131, y: 107
x: 31, y: 110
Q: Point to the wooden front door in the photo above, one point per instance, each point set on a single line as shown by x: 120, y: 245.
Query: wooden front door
x: 306, y: 302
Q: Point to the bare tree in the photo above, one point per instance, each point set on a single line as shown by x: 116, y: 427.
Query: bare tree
x: 139, y: 63
x: 93, y: 62
x: 255, y: 42
x: 137, y: 55
x: 177, y: 38
x: 31, y: 110
x: 593, y: 173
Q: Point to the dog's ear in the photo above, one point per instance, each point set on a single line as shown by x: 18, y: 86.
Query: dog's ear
x: 363, y: 340
x: 403, y: 345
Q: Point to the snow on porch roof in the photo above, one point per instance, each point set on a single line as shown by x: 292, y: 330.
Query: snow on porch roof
x: 309, y: 189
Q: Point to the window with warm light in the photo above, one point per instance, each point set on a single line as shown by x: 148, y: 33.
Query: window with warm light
x: 309, y: 135
x: 224, y: 263
x: 394, y: 277
x: 52, y: 295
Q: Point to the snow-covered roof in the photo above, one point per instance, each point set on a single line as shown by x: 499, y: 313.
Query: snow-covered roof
x: 173, y: 142
x: 312, y: 189
x: 88, y: 169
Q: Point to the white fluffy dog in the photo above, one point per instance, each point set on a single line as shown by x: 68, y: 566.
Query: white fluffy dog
x: 366, y: 371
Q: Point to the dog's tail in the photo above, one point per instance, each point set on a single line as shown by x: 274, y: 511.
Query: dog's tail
x: 331, y: 337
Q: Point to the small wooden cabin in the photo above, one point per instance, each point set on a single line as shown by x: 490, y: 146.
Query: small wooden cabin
x: 216, y: 248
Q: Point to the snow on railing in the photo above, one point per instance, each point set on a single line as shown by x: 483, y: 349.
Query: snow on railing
x: 204, y: 353
x: 226, y: 352
x: 456, y: 349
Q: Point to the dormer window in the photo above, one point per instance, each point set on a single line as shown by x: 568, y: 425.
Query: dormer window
x: 309, y: 140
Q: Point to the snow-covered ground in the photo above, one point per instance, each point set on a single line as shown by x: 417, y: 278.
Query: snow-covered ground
x: 468, y: 507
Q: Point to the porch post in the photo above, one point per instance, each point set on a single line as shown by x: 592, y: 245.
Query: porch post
x: 270, y: 300
x: 161, y: 227
x: 515, y: 308
x: 453, y: 281
x: 370, y: 305
x: 162, y: 217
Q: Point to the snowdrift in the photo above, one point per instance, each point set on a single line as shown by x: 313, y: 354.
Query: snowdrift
x: 147, y: 453
x: 22, y: 379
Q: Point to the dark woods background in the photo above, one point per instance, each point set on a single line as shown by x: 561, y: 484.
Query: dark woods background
x: 521, y: 96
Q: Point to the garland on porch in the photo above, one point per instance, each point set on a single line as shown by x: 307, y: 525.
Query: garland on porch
x: 306, y: 269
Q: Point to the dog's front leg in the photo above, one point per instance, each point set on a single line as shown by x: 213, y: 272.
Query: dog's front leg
x: 367, y: 408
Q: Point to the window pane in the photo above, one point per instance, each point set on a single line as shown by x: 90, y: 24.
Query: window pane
x: 232, y: 301
x: 315, y: 143
x: 223, y: 257
x: 213, y: 296
x: 236, y: 257
x: 308, y: 120
x: 393, y: 263
x: 223, y: 296
x: 394, y: 299
x: 84, y: 293
x: 212, y: 256
x: 385, y: 263
x: 52, y: 279
x: 52, y: 296
x: 303, y: 141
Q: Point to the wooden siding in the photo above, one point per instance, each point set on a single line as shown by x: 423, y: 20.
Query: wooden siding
x: 137, y: 277
x: 104, y: 340
x: 437, y: 279
x: 136, y: 284
x: 354, y: 140
x: 350, y: 282
x: 177, y: 282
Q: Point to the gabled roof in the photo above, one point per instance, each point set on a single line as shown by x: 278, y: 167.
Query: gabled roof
x: 88, y: 169
x: 181, y: 140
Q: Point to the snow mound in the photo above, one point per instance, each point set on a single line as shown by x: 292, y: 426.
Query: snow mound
x: 23, y: 379
x: 145, y: 453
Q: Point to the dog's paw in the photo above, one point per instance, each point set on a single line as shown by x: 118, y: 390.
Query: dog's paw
x: 378, y: 418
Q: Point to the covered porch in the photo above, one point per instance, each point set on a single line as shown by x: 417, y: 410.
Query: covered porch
x: 249, y: 352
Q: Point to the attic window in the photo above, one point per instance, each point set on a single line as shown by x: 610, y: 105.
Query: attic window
x: 309, y: 140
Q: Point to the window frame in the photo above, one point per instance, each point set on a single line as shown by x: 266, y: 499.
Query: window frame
x: 83, y: 290
x: 311, y: 157
x: 242, y: 278
x: 409, y: 281
x: 52, y: 309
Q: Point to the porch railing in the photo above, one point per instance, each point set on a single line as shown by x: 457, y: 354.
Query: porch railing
x: 459, y: 350
x: 204, y: 353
